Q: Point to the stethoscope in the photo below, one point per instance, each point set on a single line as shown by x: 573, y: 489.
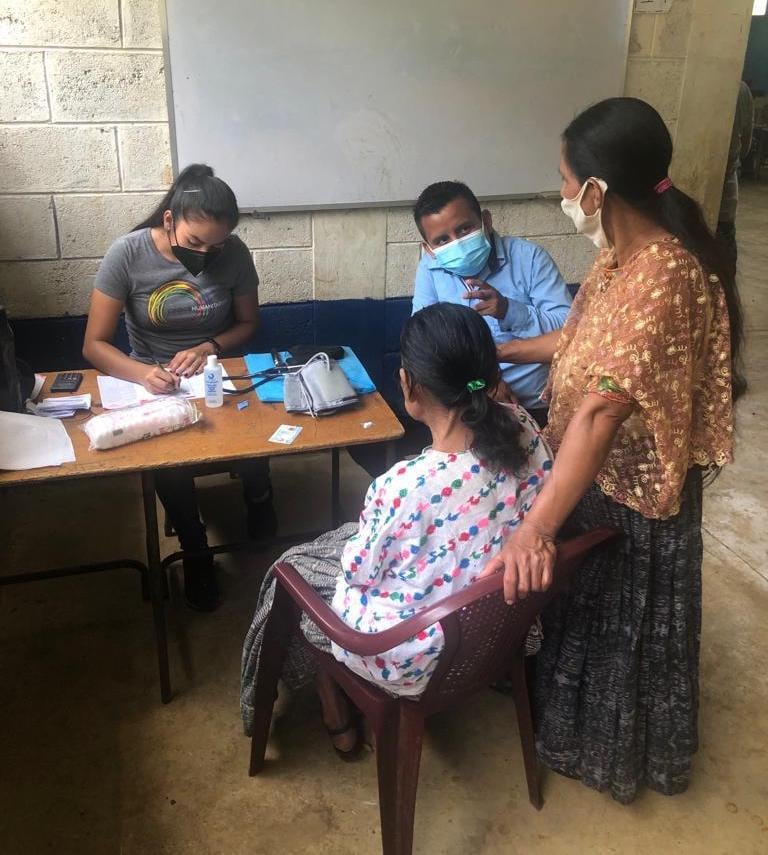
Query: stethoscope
x: 264, y: 377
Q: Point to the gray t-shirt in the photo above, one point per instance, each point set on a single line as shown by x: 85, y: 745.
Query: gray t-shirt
x: 167, y: 309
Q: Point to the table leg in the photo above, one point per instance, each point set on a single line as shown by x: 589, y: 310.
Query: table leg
x: 156, y: 582
x: 335, y: 500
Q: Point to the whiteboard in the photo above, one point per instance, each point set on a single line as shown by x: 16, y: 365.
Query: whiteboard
x: 302, y: 104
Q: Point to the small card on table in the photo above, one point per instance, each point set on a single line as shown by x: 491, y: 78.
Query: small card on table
x: 285, y: 434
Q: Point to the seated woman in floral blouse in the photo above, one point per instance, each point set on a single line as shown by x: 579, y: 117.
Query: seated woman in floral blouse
x: 429, y: 525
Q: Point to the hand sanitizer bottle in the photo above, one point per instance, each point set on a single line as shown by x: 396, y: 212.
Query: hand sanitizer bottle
x: 213, y: 382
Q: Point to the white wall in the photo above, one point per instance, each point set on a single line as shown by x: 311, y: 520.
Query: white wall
x: 84, y: 154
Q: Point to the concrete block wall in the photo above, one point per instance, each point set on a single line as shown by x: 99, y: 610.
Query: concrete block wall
x: 84, y: 155
x: 84, y: 149
x: 540, y: 220
x: 687, y: 62
x: 658, y: 46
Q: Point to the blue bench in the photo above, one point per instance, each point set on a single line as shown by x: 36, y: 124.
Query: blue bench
x: 370, y: 327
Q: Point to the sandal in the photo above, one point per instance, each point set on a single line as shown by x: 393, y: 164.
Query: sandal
x: 350, y: 724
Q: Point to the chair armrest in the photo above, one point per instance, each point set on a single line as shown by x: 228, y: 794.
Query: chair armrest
x: 373, y: 643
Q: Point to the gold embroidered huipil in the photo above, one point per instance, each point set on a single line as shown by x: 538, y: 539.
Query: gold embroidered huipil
x: 653, y: 333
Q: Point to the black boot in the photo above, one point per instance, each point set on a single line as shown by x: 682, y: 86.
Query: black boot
x: 201, y: 590
x: 261, y: 517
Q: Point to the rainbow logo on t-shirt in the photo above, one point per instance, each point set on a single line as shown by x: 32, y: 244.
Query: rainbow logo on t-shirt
x: 176, y: 303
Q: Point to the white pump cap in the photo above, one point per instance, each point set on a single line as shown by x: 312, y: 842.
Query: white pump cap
x: 212, y: 361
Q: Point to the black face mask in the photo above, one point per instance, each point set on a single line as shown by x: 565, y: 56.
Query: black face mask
x: 194, y: 260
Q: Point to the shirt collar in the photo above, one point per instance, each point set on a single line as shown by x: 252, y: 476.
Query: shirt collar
x: 497, y: 248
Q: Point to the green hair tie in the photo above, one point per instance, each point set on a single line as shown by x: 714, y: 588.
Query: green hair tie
x: 475, y: 385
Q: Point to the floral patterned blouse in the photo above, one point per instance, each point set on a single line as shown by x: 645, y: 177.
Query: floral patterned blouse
x: 653, y: 333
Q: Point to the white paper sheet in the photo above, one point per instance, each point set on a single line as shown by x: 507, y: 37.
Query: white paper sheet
x: 29, y: 442
x: 116, y: 394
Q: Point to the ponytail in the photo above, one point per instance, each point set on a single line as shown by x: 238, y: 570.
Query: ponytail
x: 496, y: 434
x: 449, y: 351
x: 625, y: 142
x: 682, y: 216
x: 196, y: 192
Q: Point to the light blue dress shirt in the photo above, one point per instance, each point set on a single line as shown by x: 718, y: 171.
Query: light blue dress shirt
x: 538, y: 303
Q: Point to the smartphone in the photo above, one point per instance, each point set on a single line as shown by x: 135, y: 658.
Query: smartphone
x: 68, y: 382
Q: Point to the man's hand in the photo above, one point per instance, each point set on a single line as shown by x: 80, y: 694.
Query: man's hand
x: 490, y: 301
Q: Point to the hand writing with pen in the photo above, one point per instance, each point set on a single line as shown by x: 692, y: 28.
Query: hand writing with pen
x: 164, y: 379
x: 160, y: 381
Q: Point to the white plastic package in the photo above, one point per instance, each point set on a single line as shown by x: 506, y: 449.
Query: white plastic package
x: 119, y: 427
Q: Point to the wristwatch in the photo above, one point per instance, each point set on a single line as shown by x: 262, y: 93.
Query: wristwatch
x: 217, y: 349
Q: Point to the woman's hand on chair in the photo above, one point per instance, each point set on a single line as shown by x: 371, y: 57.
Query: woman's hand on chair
x: 527, y: 561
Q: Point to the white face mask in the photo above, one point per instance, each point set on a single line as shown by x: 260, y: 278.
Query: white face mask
x: 589, y: 225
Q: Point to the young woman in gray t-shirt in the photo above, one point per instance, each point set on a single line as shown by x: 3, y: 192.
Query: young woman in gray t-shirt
x: 188, y: 288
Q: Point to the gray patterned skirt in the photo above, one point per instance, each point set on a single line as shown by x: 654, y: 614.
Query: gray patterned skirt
x: 319, y: 562
x: 617, y: 688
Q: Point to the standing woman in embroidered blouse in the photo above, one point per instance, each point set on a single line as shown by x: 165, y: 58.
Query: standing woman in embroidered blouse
x: 644, y: 375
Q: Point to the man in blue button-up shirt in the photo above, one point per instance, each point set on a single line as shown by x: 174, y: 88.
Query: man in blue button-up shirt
x: 517, y: 288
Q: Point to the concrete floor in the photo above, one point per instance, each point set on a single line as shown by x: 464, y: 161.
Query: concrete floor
x: 91, y: 762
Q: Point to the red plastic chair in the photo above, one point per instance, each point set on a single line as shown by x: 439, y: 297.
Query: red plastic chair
x: 484, y: 642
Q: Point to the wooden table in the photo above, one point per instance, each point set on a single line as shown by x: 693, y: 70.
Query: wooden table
x: 224, y: 435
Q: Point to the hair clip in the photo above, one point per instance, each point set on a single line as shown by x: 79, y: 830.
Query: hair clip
x: 475, y: 385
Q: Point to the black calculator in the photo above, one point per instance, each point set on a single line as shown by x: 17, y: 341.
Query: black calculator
x: 69, y: 381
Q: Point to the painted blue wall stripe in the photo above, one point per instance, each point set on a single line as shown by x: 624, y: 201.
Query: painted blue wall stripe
x: 371, y: 327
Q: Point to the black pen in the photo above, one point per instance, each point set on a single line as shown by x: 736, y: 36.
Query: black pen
x: 164, y: 369
x: 154, y: 359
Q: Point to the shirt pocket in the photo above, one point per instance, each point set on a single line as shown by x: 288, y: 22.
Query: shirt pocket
x: 495, y: 327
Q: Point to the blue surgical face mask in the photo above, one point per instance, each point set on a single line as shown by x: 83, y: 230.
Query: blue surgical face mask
x: 466, y: 256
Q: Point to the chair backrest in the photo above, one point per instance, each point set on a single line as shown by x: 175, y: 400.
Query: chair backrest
x: 481, y: 635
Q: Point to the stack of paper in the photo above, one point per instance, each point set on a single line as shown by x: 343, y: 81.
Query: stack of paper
x: 116, y: 394
x: 38, y: 387
x: 61, y: 408
x: 27, y: 442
